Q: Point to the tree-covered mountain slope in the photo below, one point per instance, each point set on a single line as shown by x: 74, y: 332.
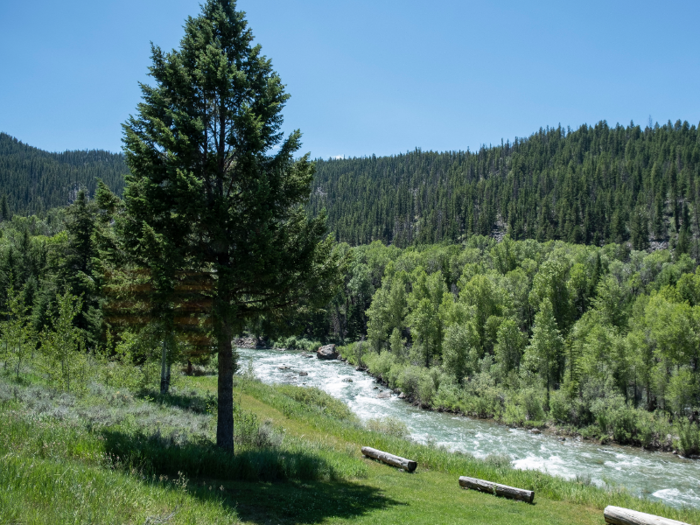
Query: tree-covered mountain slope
x: 593, y: 185
x: 35, y: 180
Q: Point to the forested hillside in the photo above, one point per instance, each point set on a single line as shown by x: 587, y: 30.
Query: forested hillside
x: 594, y: 185
x: 590, y: 186
x: 35, y: 181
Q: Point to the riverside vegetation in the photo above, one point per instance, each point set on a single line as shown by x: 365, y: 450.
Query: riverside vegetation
x: 106, y: 447
x: 599, y: 341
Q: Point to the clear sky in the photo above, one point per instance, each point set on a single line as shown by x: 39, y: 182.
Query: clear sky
x: 366, y: 77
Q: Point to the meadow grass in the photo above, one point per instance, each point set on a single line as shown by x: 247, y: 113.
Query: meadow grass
x: 438, y: 459
x: 116, y: 456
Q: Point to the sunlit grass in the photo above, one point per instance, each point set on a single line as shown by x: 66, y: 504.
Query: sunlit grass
x: 114, y: 455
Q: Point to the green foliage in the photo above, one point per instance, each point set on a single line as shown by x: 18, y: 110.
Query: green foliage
x: 544, y: 354
x: 292, y: 343
x: 238, y: 214
x: 389, y: 426
x: 565, y: 334
x: 35, y: 181
x: 316, y: 399
x: 688, y: 438
x: 18, y: 336
x: 594, y: 185
x: 458, y: 342
x: 66, y: 362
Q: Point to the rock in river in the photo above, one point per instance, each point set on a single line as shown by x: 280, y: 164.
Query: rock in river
x: 327, y: 352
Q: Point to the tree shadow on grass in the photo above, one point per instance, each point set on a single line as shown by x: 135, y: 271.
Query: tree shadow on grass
x: 297, y: 502
x: 262, y: 485
x: 192, y: 402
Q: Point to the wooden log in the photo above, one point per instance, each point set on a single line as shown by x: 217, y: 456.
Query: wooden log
x: 497, y: 489
x: 395, y: 461
x: 620, y: 516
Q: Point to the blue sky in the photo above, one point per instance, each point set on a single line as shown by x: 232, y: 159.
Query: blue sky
x: 366, y: 77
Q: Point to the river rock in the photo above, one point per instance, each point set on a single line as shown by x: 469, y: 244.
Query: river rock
x: 250, y: 342
x: 347, y: 380
x: 402, y: 396
x: 535, y: 431
x: 384, y: 395
x: 303, y: 373
x: 327, y: 352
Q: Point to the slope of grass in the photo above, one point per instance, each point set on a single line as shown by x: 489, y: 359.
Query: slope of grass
x: 114, y: 456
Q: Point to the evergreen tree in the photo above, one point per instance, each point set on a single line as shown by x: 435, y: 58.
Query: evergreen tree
x: 4, y: 212
x: 205, y: 185
x: 639, y: 231
x: 77, y: 271
x: 545, y: 351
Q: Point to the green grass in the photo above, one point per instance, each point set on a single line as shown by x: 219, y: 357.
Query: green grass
x: 115, y: 456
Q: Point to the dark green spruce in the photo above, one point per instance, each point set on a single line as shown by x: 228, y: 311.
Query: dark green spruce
x: 210, y: 187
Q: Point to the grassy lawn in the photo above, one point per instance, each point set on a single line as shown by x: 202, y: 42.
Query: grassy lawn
x: 114, y: 456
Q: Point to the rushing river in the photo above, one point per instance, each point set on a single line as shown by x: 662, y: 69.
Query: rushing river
x: 655, y: 475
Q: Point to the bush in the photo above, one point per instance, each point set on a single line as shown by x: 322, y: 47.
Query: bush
x: 532, y: 403
x: 688, y: 438
x: 628, y: 425
x: 389, y: 426
x: 426, y: 389
x: 561, y: 408
x: 409, y: 379
x: 318, y: 399
x: 292, y: 343
x: 447, y: 397
x: 380, y: 365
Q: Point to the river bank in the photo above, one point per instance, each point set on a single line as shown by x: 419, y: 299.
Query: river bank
x: 653, y: 474
x: 620, y: 424
x: 534, y: 427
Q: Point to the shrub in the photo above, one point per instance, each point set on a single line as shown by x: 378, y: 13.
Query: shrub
x: 318, y: 399
x: 389, y: 426
x: 426, y: 389
x: 380, y: 364
x: 688, y: 438
x: 561, y: 408
x: 447, y: 397
x: 531, y: 401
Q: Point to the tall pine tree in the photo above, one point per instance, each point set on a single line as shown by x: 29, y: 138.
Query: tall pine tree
x: 215, y: 184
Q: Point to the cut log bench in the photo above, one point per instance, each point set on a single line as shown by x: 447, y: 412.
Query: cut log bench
x: 620, y: 516
x: 497, y: 489
x: 395, y: 461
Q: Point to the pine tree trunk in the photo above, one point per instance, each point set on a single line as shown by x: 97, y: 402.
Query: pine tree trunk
x: 224, y: 425
x: 164, y: 370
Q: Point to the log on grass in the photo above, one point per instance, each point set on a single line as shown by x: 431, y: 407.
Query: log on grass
x: 620, y: 516
x: 497, y: 489
x: 395, y: 461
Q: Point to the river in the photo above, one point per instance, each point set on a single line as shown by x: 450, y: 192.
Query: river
x: 655, y: 475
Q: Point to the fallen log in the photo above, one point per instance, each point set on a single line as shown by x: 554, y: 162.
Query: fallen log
x: 497, y: 489
x: 620, y: 516
x: 395, y: 461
